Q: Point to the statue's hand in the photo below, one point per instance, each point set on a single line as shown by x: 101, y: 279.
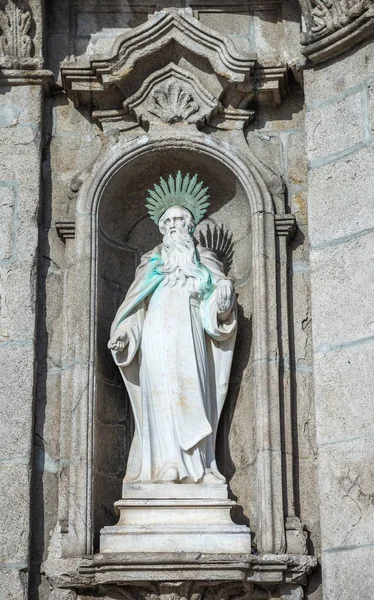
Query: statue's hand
x: 118, y: 342
x: 225, y: 295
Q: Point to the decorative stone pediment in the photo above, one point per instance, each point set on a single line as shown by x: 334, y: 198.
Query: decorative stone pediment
x: 172, y: 95
x: 169, y: 25
x: 107, y: 81
x: 181, y: 27
x: 137, y: 84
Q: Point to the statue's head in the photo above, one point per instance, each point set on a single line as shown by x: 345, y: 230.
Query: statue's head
x: 182, y: 193
x: 176, y: 218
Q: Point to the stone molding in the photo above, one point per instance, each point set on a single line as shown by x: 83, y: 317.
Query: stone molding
x: 333, y: 26
x: 242, y: 571
x: 23, y: 76
x: 285, y: 225
x: 65, y: 230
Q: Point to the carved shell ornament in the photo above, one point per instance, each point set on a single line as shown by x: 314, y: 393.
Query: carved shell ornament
x: 178, y: 191
x: 173, y: 104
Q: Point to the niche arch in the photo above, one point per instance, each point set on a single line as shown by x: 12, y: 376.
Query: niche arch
x: 215, y: 158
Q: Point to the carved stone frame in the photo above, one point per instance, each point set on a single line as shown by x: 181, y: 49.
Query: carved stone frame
x: 77, y: 541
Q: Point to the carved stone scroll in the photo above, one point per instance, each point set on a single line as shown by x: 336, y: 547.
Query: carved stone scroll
x: 330, y: 15
x: 333, y: 26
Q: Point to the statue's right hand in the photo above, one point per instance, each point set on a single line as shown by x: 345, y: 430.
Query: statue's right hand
x: 118, y: 342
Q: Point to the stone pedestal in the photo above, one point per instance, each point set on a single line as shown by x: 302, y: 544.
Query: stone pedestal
x: 175, y: 518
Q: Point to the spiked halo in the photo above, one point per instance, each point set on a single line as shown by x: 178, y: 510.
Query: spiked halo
x: 178, y: 191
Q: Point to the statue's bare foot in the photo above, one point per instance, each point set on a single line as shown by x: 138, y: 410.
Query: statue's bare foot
x: 170, y: 475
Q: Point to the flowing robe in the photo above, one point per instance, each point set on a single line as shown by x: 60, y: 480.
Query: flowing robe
x: 176, y: 369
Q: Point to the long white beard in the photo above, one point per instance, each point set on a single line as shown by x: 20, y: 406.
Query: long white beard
x: 180, y: 263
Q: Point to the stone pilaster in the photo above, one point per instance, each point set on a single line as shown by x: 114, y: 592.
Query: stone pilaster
x: 340, y: 146
x: 21, y: 85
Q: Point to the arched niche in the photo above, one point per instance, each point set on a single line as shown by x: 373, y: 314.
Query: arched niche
x: 112, y: 232
x: 125, y: 232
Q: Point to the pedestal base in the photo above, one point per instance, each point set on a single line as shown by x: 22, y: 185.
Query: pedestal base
x: 175, y: 518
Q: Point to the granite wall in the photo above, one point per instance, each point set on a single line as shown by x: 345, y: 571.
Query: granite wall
x: 311, y: 137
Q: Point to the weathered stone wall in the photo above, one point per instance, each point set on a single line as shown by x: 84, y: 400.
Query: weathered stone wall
x: 20, y: 164
x: 340, y: 127
x: 315, y: 154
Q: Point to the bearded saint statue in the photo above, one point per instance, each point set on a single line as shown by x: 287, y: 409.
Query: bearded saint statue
x: 173, y: 339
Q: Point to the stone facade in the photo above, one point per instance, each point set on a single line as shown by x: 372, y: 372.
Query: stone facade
x: 272, y: 103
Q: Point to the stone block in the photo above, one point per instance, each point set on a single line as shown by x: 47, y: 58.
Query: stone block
x: 297, y: 160
x: 70, y: 155
x: 69, y: 121
x: 17, y: 386
x: 289, y: 115
x: 7, y: 207
x: 267, y: 149
x: 54, y: 317
x: 20, y: 137
x: 26, y: 103
x: 18, y: 301
x: 110, y: 455
x: 47, y: 422
x: 115, y: 404
x: 338, y: 76
x: 309, y: 500
x: 334, y: 127
x: 348, y: 574
x: 344, y: 382
x: 371, y: 106
x: 14, y: 515
x: 342, y: 293
x: 346, y: 485
x: 13, y: 584
x: 343, y: 197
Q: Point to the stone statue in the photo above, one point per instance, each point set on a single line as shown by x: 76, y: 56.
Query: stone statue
x: 173, y: 339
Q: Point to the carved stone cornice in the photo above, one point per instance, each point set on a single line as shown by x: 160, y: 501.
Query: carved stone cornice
x: 25, y: 76
x: 124, y: 569
x: 333, y: 26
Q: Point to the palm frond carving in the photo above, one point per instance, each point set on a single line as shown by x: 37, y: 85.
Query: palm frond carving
x: 219, y: 240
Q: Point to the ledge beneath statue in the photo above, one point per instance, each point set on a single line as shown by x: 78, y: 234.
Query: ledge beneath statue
x: 125, y: 569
